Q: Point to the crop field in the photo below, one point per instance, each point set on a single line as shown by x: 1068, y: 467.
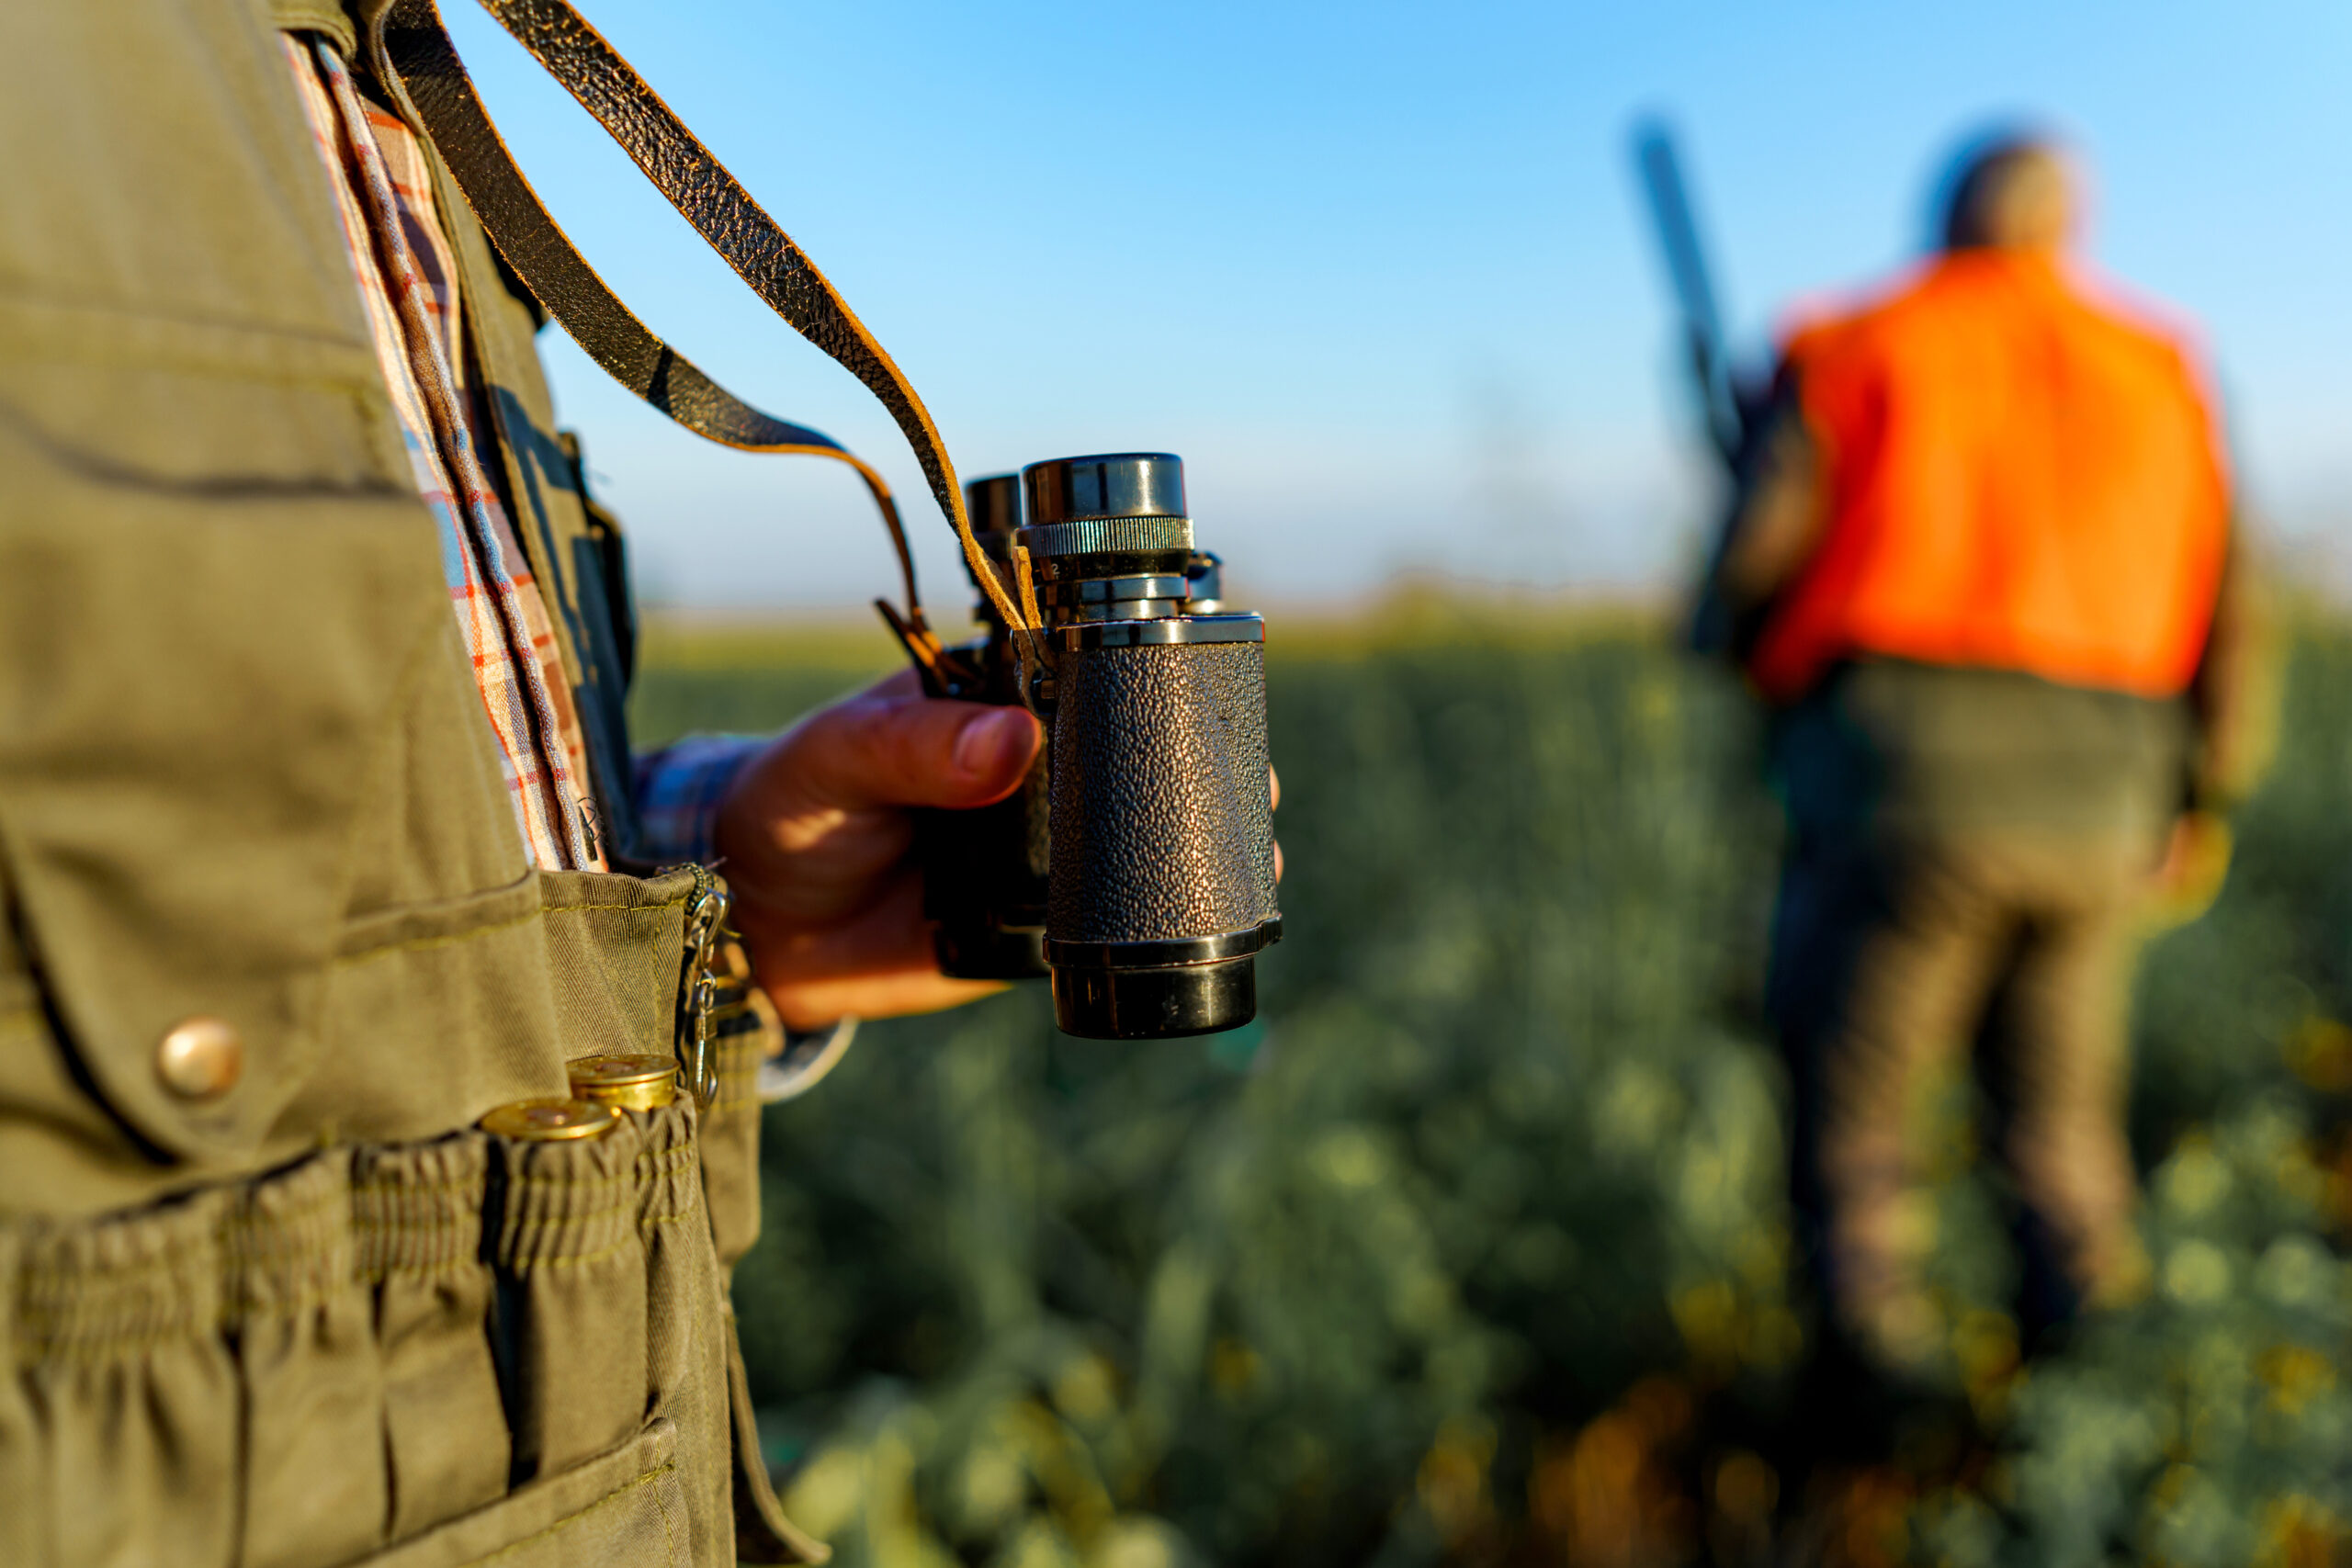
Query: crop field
x: 1473, y: 1250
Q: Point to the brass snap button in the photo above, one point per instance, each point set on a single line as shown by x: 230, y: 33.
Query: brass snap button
x: 201, y: 1059
x: 550, y: 1121
x: 625, y: 1082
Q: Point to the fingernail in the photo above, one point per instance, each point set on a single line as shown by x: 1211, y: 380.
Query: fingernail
x: 986, y: 740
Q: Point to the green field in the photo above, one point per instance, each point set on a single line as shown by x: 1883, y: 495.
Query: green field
x: 1472, y: 1249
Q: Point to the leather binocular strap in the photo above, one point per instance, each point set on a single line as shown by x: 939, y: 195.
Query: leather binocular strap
x: 415, y: 57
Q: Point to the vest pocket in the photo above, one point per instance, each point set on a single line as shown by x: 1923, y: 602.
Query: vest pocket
x: 418, y: 1210
x: 460, y: 1348
x: 625, y: 1507
x: 609, y: 1306
x: 571, y: 1290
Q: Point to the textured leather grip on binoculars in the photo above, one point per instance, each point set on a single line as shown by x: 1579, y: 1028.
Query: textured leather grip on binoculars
x: 1162, y: 812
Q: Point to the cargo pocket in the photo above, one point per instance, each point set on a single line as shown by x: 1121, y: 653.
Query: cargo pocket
x: 195, y: 1370
x: 314, y: 1392
x: 129, y: 1397
x: 571, y: 1311
x: 417, y: 1211
x: 434, y: 1352
x: 609, y: 1306
x: 623, y: 1508
x: 682, y: 1286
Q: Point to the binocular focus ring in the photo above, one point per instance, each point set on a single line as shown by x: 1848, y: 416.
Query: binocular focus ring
x: 1108, y: 535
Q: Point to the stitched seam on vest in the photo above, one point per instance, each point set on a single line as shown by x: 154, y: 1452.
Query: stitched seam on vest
x: 230, y: 1232
x: 383, y: 1227
x: 621, y: 1244
x: 570, y: 1519
x: 578, y: 1259
x: 63, y: 1311
x: 304, y: 16
x: 51, y: 1334
x: 645, y: 1223
x: 654, y: 1161
x: 448, y: 939
x: 227, y: 1232
x: 406, y: 1273
x: 106, y: 334
x: 669, y: 1530
x: 460, y: 1185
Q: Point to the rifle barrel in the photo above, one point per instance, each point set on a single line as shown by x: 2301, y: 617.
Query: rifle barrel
x: 1686, y: 265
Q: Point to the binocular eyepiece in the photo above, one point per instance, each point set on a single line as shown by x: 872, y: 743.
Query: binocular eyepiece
x: 1135, y: 864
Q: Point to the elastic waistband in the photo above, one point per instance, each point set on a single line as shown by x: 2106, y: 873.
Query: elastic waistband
x: 340, y: 1220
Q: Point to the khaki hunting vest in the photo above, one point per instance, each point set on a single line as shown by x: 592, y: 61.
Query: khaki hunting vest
x: 277, y: 1302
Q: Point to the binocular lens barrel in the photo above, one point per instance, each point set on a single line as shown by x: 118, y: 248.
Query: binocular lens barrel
x: 994, y: 503
x: 1162, y: 866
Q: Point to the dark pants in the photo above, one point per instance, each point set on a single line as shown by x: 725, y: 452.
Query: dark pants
x: 1898, y: 958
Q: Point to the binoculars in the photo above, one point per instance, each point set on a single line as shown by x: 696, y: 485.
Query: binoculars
x: 1135, y: 864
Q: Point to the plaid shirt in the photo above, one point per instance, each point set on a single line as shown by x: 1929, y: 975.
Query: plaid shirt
x: 408, y: 286
x: 678, y: 792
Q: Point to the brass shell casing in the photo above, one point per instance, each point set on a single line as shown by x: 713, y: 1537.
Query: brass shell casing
x: 625, y: 1082
x: 550, y: 1121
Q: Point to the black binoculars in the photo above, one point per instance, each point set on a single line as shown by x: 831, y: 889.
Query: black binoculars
x: 1135, y: 864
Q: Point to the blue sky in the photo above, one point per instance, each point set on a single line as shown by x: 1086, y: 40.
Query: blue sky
x: 1379, y: 271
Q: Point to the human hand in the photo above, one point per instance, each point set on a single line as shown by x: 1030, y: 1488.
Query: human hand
x: 2196, y: 862
x: 814, y: 836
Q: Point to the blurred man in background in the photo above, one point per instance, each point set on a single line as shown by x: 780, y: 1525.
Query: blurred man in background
x: 1983, y: 566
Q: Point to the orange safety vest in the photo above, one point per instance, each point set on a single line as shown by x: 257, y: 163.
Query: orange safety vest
x: 2016, y: 479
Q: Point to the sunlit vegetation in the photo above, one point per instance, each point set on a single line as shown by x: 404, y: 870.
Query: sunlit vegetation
x: 1474, y: 1249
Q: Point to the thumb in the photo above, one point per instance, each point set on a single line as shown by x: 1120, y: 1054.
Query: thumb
x: 890, y: 749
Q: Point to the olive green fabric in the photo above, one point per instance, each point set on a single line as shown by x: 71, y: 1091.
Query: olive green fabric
x: 1969, y: 851
x: 359, y: 1400
x: 1905, y: 958
x: 622, y: 1506
x: 245, y: 773
x: 731, y: 1128
x: 1889, y: 746
x: 198, y: 475
x: 416, y: 1205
